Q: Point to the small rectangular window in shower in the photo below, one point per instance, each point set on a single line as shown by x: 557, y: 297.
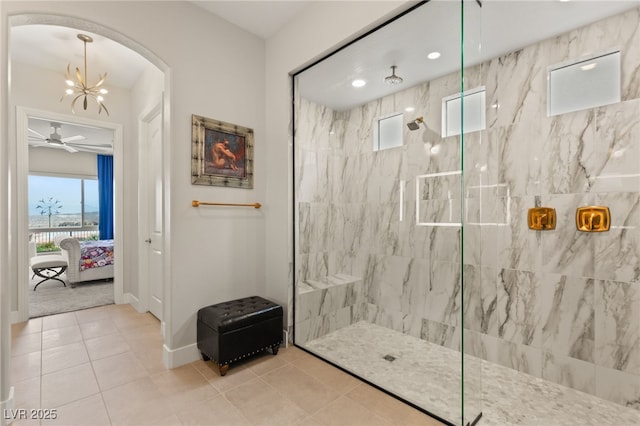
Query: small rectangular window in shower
x: 584, y: 84
x: 473, y: 102
x: 387, y: 132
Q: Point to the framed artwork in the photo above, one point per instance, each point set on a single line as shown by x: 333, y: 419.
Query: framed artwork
x: 221, y: 153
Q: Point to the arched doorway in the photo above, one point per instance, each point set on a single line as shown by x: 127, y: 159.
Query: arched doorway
x: 125, y: 176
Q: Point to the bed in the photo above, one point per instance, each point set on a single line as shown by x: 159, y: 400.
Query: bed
x: 88, y: 260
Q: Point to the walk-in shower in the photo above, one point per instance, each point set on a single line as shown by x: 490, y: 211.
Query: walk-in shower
x: 415, y: 265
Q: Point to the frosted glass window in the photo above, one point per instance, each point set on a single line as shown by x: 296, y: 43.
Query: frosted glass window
x: 585, y: 84
x: 474, y: 112
x: 389, y: 133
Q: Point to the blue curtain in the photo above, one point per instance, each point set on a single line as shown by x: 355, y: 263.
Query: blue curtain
x: 105, y: 193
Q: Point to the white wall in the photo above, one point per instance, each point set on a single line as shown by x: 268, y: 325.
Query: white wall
x: 221, y: 72
x: 217, y: 70
x: 59, y: 161
x: 316, y: 31
x: 36, y: 88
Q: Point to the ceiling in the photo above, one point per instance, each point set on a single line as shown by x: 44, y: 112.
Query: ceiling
x: 499, y: 27
x: 263, y: 18
x: 55, y: 47
x: 434, y: 26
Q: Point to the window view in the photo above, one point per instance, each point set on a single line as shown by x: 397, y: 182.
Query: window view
x: 388, y: 133
x: 474, y: 112
x: 585, y: 84
x: 62, y: 203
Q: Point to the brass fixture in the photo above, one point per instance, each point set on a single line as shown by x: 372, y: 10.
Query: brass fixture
x: 196, y: 203
x: 415, y: 124
x: 80, y: 86
x: 593, y: 219
x: 542, y: 218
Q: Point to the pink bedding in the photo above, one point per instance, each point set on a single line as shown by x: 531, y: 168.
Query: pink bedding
x: 94, y: 254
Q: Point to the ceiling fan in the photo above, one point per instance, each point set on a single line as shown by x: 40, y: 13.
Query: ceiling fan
x: 70, y: 144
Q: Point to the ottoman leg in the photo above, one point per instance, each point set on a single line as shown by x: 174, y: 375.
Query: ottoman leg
x: 223, y: 369
x: 204, y: 357
x: 274, y: 349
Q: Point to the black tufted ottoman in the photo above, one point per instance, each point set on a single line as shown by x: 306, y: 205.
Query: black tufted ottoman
x: 230, y: 331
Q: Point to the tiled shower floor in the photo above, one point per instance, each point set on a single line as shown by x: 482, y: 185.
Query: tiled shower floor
x: 428, y: 375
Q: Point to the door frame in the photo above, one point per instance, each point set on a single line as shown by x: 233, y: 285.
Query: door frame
x: 22, y: 175
x: 144, y: 287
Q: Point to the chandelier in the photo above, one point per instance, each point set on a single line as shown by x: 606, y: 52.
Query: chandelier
x: 80, y: 86
x: 393, y: 79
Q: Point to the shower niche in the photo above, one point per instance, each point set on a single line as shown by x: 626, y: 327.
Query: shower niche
x: 415, y: 269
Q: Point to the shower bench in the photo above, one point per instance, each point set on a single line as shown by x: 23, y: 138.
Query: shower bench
x: 230, y: 331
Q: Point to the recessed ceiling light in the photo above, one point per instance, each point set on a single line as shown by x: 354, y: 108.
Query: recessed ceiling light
x: 409, y: 109
x: 433, y: 55
x: 358, y: 83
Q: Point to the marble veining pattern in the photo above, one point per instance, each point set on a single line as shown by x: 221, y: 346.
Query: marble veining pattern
x: 560, y: 305
x: 429, y: 375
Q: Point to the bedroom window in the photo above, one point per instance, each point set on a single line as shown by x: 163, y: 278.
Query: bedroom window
x: 63, y: 202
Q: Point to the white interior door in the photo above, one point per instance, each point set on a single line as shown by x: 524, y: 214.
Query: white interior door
x: 155, y: 215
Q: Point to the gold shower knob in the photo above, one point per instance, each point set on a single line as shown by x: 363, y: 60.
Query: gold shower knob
x: 593, y: 219
x: 542, y: 218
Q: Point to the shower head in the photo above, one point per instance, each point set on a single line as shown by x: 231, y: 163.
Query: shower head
x: 415, y: 124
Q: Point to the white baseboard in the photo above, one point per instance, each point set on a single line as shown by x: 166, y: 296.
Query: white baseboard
x: 7, y: 408
x: 132, y: 300
x: 173, y: 358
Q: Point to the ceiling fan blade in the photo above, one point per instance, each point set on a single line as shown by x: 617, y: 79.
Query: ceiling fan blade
x: 69, y: 148
x: 37, y: 143
x: 37, y: 134
x: 89, y: 148
x: 92, y: 145
x: 73, y: 138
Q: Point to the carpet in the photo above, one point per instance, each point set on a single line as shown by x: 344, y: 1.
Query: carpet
x: 52, y: 297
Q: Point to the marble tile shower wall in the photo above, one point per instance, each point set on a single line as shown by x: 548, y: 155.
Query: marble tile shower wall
x: 561, y: 305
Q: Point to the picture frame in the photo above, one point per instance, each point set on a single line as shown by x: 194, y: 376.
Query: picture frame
x: 221, y: 153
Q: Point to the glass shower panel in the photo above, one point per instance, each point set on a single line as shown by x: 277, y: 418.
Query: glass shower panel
x: 378, y: 233
x: 477, y: 194
x: 549, y: 312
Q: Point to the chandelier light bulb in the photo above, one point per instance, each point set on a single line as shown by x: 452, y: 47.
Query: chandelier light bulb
x: 80, y: 87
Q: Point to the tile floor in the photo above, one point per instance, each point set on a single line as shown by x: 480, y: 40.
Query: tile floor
x: 505, y: 396
x: 103, y: 366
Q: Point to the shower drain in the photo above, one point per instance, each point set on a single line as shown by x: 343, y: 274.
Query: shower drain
x: 389, y: 358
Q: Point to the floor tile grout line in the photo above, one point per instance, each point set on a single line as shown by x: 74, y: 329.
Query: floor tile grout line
x: 41, y: 366
x: 238, y: 410
x: 104, y: 402
x: 292, y: 401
